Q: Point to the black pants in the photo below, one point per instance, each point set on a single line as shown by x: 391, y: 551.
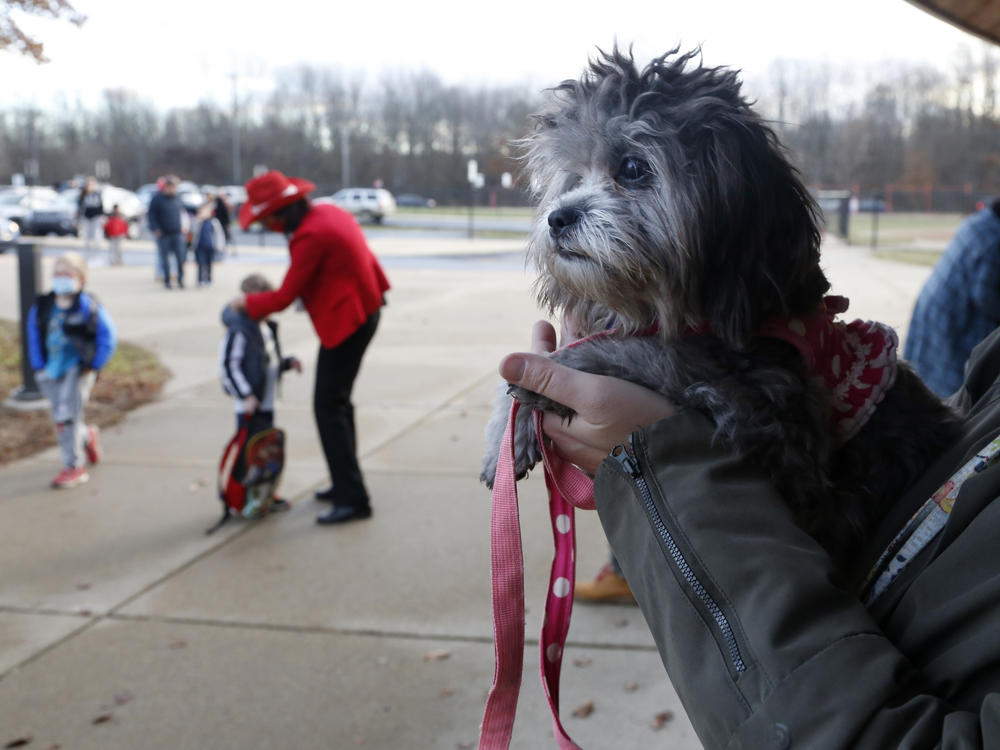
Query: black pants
x: 336, y: 370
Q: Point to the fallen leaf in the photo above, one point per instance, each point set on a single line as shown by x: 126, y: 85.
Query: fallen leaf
x: 582, y: 712
x: 661, y: 719
x: 20, y: 741
x: 439, y: 654
x: 123, y: 697
x: 582, y: 661
x: 102, y: 719
x: 631, y: 687
x: 446, y: 693
x: 179, y: 643
x: 82, y: 586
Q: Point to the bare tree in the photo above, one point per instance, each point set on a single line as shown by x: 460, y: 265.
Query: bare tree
x: 12, y: 37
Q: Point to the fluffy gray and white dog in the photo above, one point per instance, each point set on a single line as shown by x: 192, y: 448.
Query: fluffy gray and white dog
x: 666, y: 203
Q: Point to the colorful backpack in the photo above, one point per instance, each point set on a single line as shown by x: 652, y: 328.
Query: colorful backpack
x: 250, y: 470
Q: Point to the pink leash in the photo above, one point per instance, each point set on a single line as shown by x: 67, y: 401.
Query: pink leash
x: 568, y: 487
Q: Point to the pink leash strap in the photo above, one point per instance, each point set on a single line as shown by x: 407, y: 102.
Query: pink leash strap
x: 568, y: 487
x: 507, y: 574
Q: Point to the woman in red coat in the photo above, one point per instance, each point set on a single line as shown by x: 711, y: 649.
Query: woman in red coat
x: 342, y: 286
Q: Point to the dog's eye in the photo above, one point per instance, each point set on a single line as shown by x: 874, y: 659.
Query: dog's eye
x: 632, y: 170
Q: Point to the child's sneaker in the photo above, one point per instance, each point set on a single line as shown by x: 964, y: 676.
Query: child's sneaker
x: 93, y: 444
x: 70, y: 478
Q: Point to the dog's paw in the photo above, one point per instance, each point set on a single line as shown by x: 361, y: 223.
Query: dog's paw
x: 534, y: 401
x: 527, y: 452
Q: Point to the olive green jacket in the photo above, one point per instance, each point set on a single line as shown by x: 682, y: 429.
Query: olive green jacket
x: 766, y: 644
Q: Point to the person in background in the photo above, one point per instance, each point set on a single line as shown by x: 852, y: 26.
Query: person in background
x: 224, y: 217
x: 167, y: 223
x: 70, y: 338
x: 209, y: 240
x: 959, y: 304
x: 115, y: 229
x: 90, y: 211
x: 343, y: 287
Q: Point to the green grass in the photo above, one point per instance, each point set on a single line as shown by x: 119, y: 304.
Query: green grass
x: 914, y: 231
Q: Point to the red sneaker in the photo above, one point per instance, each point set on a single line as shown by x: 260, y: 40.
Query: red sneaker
x: 70, y: 478
x: 93, y: 444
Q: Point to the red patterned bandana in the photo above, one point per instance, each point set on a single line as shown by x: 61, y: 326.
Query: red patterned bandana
x: 856, y: 361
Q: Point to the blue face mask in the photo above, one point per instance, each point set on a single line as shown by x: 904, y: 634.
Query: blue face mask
x: 64, y: 285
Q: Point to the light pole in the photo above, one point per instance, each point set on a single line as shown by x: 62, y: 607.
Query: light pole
x: 237, y: 167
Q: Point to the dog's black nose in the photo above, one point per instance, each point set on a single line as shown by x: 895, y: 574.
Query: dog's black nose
x: 562, y: 219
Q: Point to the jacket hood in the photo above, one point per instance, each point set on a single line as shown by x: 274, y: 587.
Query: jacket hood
x: 233, y: 319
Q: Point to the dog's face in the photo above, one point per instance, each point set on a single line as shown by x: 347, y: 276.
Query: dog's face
x: 664, y: 200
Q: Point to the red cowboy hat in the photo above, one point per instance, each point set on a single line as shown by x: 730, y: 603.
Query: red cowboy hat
x: 270, y: 192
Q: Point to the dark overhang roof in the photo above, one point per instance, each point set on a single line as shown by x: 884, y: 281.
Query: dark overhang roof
x: 979, y: 17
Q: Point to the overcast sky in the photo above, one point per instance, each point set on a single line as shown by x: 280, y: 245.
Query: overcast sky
x: 178, y: 52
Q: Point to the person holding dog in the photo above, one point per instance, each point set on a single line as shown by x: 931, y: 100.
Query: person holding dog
x: 774, y: 646
x: 343, y: 287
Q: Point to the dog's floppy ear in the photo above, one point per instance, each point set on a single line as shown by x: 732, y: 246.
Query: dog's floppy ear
x: 760, y: 231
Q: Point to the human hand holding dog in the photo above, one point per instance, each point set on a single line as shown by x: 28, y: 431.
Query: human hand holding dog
x: 608, y: 409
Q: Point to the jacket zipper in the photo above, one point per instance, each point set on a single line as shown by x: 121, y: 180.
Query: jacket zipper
x: 624, y: 454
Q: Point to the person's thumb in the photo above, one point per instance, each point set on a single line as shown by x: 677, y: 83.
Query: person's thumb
x: 542, y: 375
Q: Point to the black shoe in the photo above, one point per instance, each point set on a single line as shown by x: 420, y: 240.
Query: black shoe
x: 344, y: 513
x: 326, y: 495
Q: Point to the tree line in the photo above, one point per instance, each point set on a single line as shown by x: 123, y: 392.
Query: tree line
x: 860, y: 127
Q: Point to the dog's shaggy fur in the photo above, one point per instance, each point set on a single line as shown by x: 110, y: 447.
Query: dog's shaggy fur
x: 666, y: 202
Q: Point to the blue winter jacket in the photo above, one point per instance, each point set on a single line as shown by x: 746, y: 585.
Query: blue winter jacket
x: 88, y: 327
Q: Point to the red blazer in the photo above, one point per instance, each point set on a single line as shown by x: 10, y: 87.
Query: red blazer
x: 334, y: 272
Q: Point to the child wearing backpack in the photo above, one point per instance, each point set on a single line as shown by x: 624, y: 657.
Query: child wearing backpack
x: 251, y: 364
x: 70, y: 338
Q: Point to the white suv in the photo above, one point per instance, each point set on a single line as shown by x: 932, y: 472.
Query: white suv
x: 367, y: 204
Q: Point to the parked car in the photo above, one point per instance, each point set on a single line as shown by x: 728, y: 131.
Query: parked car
x: 58, y: 216
x: 367, y: 204
x: 409, y: 199
x: 191, y: 196
x: 17, y: 203
x: 9, y: 232
x: 131, y: 207
x: 146, y: 193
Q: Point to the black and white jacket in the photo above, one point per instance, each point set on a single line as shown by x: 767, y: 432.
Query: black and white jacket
x: 244, y: 358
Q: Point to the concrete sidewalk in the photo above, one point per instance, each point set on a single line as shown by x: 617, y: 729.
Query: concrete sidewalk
x: 283, y: 634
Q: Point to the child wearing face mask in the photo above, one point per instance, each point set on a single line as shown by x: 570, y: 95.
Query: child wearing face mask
x: 70, y: 338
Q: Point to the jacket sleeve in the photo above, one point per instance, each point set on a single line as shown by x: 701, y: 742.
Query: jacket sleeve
x: 762, y: 644
x: 107, y: 339
x: 152, y: 215
x: 307, y: 255
x: 36, y: 352
x: 231, y: 365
